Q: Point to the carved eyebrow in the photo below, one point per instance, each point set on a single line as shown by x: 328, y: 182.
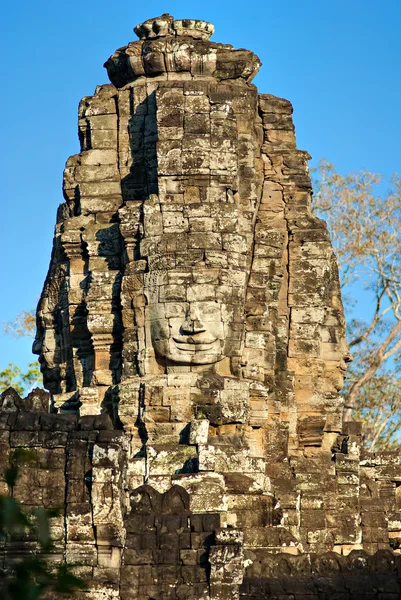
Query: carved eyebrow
x: 210, y: 307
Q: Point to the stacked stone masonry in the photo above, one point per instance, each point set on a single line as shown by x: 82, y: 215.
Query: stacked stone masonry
x: 192, y: 337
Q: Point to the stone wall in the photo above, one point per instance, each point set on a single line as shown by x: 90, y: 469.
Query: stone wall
x: 325, y: 530
x: 358, y: 576
x: 192, y: 338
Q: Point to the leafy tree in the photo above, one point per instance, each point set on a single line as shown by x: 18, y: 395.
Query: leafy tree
x: 24, y: 324
x: 31, y: 577
x: 22, y: 382
x: 365, y: 227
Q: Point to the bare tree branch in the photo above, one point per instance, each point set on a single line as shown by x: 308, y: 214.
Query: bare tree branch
x: 375, y: 320
x: 377, y: 360
x: 364, y: 226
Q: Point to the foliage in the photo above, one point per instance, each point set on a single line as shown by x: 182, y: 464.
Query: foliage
x: 31, y: 576
x: 22, y: 382
x: 24, y: 324
x: 364, y: 224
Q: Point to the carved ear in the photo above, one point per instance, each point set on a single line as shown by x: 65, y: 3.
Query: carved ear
x: 146, y: 500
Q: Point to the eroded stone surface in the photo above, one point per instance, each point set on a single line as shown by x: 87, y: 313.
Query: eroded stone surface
x: 186, y: 247
x: 192, y: 338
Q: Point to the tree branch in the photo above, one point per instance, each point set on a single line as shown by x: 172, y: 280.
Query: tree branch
x: 378, y: 432
x: 375, y: 320
x: 377, y: 360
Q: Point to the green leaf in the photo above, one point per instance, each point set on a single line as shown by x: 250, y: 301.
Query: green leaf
x: 42, y: 518
x: 10, y: 476
x: 67, y: 582
x: 21, y: 381
x: 23, y: 455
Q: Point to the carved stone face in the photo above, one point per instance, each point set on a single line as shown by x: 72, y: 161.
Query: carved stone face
x: 193, y: 324
x: 195, y: 336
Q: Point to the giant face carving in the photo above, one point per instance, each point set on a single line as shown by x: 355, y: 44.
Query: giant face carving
x: 192, y: 323
x: 193, y: 335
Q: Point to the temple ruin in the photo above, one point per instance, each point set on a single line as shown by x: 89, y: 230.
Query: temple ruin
x: 191, y: 335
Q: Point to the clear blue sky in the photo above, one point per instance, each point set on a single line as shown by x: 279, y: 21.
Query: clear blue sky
x: 338, y: 62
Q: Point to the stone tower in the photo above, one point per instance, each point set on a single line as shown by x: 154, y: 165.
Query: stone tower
x: 186, y: 250
x: 191, y: 334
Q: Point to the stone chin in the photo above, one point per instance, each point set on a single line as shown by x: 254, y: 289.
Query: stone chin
x: 181, y: 352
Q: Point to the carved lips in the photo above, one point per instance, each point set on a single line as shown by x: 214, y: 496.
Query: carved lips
x: 196, y: 343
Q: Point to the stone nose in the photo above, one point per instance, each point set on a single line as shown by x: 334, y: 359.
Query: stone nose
x: 192, y: 325
x: 193, y: 322
x: 37, y: 346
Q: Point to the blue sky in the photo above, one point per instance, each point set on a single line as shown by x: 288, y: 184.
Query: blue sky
x: 338, y: 62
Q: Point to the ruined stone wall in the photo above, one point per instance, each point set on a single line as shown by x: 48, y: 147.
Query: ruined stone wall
x: 192, y: 337
x: 319, y: 533
x: 324, y: 576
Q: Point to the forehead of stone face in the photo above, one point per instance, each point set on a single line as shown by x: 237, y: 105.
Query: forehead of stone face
x: 199, y: 284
